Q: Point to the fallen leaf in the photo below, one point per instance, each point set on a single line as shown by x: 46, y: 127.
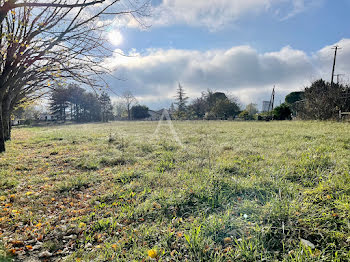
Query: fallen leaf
x: 17, y: 243
x: 152, y: 253
x: 227, y: 240
x: 307, y: 243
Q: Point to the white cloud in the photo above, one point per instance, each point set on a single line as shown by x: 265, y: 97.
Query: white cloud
x: 240, y: 70
x: 212, y: 14
x: 215, y: 14
x: 300, y: 6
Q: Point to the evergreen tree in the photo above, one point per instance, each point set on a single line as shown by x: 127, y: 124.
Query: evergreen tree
x: 139, y: 112
x: 76, y: 95
x: 282, y: 112
x: 59, y: 102
x: 82, y: 106
x: 106, y: 107
x: 172, y: 108
x: 181, y: 101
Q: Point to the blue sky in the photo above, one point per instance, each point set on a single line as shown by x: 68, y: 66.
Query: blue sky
x: 239, y: 47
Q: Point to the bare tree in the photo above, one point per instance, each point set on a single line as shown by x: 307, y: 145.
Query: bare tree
x: 7, y: 5
x: 251, y: 109
x: 41, y: 42
x: 119, y: 110
x: 128, y: 99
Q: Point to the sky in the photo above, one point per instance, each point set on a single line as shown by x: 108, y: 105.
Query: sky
x: 242, y: 48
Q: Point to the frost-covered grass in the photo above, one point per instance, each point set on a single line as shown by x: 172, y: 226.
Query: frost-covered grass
x: 235, y: 191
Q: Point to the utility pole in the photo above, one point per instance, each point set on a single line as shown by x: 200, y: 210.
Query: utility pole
x: 272, y: 101
x: 273, y: 98
x: 335, y: 59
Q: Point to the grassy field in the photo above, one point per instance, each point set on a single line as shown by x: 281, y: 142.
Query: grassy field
x: 235, y: 191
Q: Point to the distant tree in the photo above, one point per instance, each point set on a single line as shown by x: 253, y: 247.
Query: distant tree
x: 293, y: 97
x: 172, y: 108
x: 119, y: 110
x: 106, y: 107
x: 251, y: 109
x: 282, y: 112
x: 18, y: 113
x: 212, y: 97
x: 198, y: 107
x: 213, y: 105
x: 91, y: 108
x: 293, y: 100
x: 139, y: 112
x: 28, y: 112
x: 224, y: 109
x: 129, y: 100
x: 82, y: 106
x: 181, y: 100
x: 245, y: 115
x: 59, y: 102
x: 75, y: 98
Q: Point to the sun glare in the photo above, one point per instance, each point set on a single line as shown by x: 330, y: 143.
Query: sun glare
x: 115, y: 37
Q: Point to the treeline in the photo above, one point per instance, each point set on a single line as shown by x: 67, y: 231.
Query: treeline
x: 211, y: 105
x: 218, y: 106
x: 320, y: 101
x: 76, y: 104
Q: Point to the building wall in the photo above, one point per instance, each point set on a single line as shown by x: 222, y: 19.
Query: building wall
x: 265, y: 106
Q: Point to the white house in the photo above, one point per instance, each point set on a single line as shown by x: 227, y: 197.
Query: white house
x: 45, y: 117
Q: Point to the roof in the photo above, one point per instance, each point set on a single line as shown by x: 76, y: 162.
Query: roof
x: 159, y: 112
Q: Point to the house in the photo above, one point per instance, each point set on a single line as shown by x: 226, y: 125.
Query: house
x: 154, y: 115
x: 45, y: 117
x: 157, y: 115
x: 16, y: 122
x: 265, y: 106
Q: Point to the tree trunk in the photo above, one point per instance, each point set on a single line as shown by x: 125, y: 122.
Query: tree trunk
x: 6, y: 123
x: 6, y: 118
x: 2, y: 138
x: 129, y: 115
x: 10, y: 127
x: 64, y: 113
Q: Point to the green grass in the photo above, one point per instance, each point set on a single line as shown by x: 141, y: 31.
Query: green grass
x: 235, y: 191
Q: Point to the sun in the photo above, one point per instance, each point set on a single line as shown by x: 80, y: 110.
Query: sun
x: 115, y: 37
